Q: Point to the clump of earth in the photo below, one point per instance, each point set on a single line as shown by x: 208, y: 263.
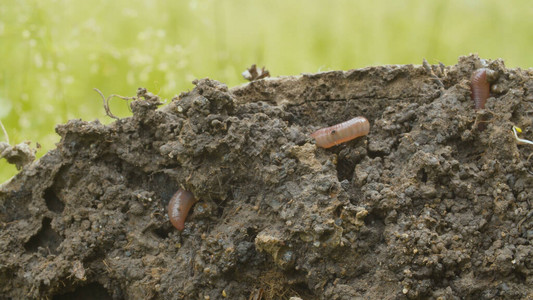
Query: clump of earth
x: 426, y: 206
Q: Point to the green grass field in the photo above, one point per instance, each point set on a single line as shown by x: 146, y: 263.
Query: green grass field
x: 54, y: 52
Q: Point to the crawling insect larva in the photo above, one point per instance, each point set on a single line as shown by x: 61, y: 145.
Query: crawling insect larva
x: 340, y: 133
x: 179, y: 207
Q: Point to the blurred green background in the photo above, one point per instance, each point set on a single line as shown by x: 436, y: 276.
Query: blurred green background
x: 54, y: 52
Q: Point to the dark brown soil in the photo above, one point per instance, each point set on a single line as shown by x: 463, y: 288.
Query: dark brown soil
x: 424, y: 207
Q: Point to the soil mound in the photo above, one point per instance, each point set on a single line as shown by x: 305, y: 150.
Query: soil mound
x: 425, y: 206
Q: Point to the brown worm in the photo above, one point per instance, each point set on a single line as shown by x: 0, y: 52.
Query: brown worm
x: 179, y: 207
x: 480, y: 88
x: 340, y: 133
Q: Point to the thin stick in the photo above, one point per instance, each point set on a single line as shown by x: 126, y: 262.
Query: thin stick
x: 106, y: 105
x: 5, y: 132
x: 121, y: 97
x: 430, y: 72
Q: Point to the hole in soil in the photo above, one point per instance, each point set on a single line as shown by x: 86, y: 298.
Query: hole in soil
x: 90, y: 291
x: 251, y: 232
x: 374, y: 154
x: 326, y: 236
x: 162, y: 232
x: 373, y: 219
x: 345, y: 169
x: 303, y: 290
x: 164, y: 186
x: 46, y: 238
x: 52, y: 201
x: 422, y: 176
x: 373, y: 232
x: 520, y: 277
x: 220, y: 211
x: 347, y: 159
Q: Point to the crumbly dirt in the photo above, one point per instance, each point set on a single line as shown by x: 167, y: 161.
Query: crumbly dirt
x: 424, y: 207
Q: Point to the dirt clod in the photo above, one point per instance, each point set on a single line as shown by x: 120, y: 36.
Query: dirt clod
x: 19, y: 155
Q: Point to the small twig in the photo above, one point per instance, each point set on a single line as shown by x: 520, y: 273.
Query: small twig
x: 430, y: 72
x: 5, y: 132
x: 254, y: 73
x: 123, y: 98
x: 106, y: 105
x: 106, y: 102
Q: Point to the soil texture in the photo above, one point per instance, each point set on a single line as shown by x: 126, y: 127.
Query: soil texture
x: 429, y: 205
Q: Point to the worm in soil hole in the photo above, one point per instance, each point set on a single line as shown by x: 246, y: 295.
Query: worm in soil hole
x: 179, y: 207
x: 340, y: 133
